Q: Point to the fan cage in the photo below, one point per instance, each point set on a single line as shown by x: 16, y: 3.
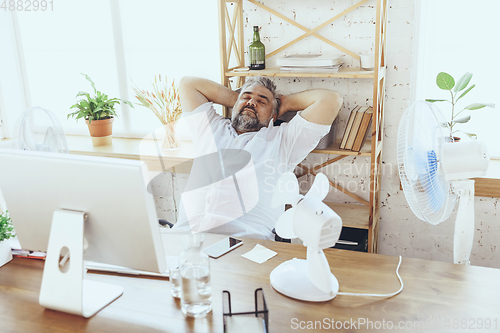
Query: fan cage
x: 39, y: 129
x: 422, y: 131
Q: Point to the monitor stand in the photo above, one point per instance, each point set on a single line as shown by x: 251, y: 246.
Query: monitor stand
x: 63, y: 285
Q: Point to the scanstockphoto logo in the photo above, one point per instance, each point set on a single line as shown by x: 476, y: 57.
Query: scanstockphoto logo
x: 225, y: 181
x: 225, y: 184
x: 222, y: 180
x: 355, y: 324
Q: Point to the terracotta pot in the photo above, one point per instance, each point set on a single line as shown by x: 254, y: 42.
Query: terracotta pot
x: 99, y: 128
x: 101, y: 131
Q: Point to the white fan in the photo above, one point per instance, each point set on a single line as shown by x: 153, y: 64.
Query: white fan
x: 39, y: 129
x: 434, y: 170
x: 318, y: 226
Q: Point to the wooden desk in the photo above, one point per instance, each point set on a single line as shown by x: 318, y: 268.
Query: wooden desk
x: 436, y: 294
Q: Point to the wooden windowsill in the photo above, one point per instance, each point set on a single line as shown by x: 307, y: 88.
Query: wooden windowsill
x: 489, y: 185
x: 178, y: 160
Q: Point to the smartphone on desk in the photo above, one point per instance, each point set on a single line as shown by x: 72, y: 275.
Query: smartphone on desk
x: 223, y: 246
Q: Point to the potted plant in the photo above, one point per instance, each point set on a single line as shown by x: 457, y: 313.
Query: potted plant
x: 446, y: 82
x: 6, y: 232
x: 165, y: 103
x: 98, y: 112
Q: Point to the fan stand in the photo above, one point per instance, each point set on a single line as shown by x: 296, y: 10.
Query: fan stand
x: 63, y: 286
x: 464, y: 224
x: 290, y: 279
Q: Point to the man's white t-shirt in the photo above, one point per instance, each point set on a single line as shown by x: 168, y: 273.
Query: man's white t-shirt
x: 233, y: 178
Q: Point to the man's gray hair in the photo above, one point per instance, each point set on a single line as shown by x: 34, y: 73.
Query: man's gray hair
x: 266, y: 83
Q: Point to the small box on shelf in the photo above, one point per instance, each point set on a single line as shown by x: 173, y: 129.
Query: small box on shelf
x: 353, y: 239
x: 329, y: 138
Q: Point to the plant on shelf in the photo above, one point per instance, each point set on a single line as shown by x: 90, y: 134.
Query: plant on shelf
x: 446, y: 82
x: 98, y: 112
x: 165, y: 103
x: 6, y: 232
x: 6, y: 228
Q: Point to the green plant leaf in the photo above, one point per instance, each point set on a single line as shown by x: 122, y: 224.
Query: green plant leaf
x: 477, y: 106
x: 128, y: 103
x: 436, y: 100
x: 465, y: 92
x: 445, y: 81
x: 6, y: 228
x: 471, y: 135
x: 462, y: 120
x: 91, y: 82
x: 95, y: 107
x: 463, y: 82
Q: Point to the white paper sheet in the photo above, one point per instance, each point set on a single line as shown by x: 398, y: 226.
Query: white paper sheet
x: 259, y: 254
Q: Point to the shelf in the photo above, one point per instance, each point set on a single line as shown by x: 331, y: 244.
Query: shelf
x: 348, y: 72
x: 352, y: 215
x: 334, y: 149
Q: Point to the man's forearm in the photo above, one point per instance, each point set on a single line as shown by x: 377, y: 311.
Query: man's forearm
x: 319, y: 105
x: 196, y: 91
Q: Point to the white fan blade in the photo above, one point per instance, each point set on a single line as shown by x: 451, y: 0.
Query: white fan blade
x: 319, y: 188
x: 464, y: 225
x: 319, y: 270
x: 286, y: 191
x: 284, y: 225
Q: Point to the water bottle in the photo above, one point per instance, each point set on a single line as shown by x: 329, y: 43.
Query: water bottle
x: 196, y: 295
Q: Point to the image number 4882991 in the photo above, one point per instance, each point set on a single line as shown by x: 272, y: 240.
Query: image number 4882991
x: 27, y: 5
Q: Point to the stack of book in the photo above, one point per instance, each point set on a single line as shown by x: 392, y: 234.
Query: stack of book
x: 310, y: 63
x: 357, y: 125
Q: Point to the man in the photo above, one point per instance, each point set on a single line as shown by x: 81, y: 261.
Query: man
x: 242, y: 205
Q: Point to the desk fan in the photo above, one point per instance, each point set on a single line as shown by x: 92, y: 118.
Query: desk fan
x: 434, y: 172
x: 318, y: 226
x: 39, y: 129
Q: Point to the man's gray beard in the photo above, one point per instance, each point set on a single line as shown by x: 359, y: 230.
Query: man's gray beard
x: 246, y: 123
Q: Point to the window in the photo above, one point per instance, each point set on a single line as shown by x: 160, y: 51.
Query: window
x: 117, y: 43
x: 458, y: 36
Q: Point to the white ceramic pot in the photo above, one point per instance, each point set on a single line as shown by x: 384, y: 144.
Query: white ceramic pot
x: 5, y: 252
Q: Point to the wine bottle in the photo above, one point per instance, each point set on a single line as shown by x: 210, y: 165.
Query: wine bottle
x: 257, y: 51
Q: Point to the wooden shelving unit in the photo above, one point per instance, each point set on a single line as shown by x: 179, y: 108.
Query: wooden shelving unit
x: 231, y: 40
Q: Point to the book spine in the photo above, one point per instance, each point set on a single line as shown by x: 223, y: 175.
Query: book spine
x: 348, y: 127
x: 355, y: 127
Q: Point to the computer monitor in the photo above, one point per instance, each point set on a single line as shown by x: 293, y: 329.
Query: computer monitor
x: 50, y: 195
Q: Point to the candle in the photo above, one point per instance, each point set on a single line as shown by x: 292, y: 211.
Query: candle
x: 367, y: 60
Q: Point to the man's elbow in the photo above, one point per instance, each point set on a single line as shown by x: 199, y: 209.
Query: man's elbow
x: 186, y: 83
x: 334, y: 102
